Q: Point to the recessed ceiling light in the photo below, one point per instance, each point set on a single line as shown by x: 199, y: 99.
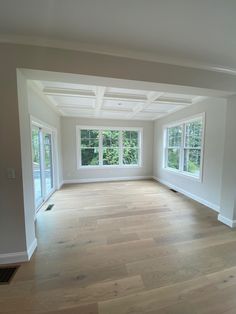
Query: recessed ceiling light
x: 120, y: 104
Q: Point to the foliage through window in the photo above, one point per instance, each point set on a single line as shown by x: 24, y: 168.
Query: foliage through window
x: 183, y: 151
x: 89, y: 147
x: 109, y: 147
x: 130, y: 147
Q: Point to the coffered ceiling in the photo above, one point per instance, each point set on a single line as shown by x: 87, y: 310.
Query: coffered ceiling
x: 79, y: 100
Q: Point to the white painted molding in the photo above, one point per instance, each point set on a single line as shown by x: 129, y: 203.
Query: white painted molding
x: 18, y: 257
x: 113, y: 51
x: 13, y: 258
x: 196, y: 198
x: 106, y: 179
x: 229, y: 222
x: 31, y: 249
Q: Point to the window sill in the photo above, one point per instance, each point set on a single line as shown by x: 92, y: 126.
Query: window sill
x: 184, y: 174
x: 109, y: 167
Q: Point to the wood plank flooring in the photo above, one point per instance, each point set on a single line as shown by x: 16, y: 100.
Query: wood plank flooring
x: 126, y: 247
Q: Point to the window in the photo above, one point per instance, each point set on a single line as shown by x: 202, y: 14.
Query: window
x: 183, y: 146
x: 89, y: 147
x: 104, y: 147
x: 174, y: 136
x: 130, y: 147
x: 110, y: 140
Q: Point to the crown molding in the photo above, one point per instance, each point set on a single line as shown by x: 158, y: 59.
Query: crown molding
x: 112, y: 51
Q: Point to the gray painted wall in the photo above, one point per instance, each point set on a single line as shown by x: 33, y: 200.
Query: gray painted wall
x: 210, y: 187
x: 70, y: 171
x: 228, y: 193
x: 13, y: 211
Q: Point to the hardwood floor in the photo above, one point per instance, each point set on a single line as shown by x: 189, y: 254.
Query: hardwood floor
x: 126, y: 247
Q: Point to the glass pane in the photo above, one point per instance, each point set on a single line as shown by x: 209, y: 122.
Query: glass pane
x: 48, y: 172
x: 85, y: 142
x: 36, y: 165
x: 89, y: 134
x: 89, y: 156
x: 174, y: 136
x: 110, y: 138
x: 173, y: 158
x: 130, y: 156
x: 89, y: 138
x: 192, y: 161
x: 130, y: 138
x: 110, y: 156
x: 193, y: 134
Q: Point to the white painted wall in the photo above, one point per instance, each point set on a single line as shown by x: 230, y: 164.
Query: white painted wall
x: 209, y: 190
x: 70, y: 171
x: 39, y: 109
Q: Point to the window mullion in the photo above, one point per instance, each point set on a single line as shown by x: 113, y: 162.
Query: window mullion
x: 100, y: 149
x: 182, y: 148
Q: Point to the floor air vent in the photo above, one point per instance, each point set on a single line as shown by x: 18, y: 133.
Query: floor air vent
x: 6, y: 274
x: 50, y: 206
x: 173, y: 190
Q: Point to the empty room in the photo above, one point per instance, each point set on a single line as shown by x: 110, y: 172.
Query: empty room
x: 118, y: 154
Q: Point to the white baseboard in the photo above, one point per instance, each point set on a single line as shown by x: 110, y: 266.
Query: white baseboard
x: 190, y: 195
x: 106, y: 179
x: 229, y: 222
x: 13, y: 258
x: 18, y: 257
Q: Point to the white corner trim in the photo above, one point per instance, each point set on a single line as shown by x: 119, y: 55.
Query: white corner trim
x: 18, y: 257
x: 229, y: 222
x: 31, y: 249
x: 196, y: 198
x: 106, y: 179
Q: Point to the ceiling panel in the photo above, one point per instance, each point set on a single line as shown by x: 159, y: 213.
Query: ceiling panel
x: 126, y: 91
x: 119, y: 105
x: 81, y: 100
x: 157, y: 107
x: 49, y: 84
x: 179, y: 96
x: 76, y: 101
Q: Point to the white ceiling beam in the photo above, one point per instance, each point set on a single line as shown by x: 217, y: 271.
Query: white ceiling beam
x: 90, y: 93
x: 124, y: 97
x: 100, y: 91
x: 174, y: 101
x: 68, y: 92
x: 151, y: 97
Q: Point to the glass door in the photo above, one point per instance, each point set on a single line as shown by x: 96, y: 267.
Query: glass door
x: 48, y: 168
x: 37, y: 166
x: 42, y: 151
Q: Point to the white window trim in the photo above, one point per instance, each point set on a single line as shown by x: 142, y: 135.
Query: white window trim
x: 181, y: 172
x: 101, y: 128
